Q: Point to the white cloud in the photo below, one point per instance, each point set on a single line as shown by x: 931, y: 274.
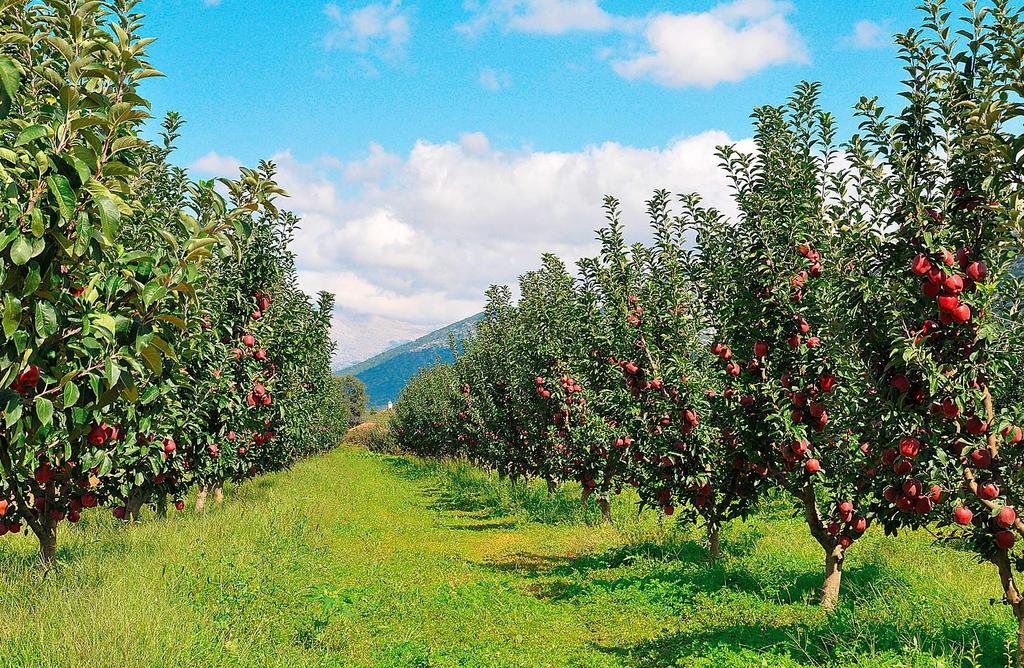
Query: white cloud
x: 493, y: 80
x: 870, y: 35
x: 728, y: 43
x: 549, y: 17
x: 417, y: 238
x: 377, y: 29
x: 217, y: 165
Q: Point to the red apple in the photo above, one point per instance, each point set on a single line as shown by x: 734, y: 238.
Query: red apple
x: 1005, y: 540
x: 1006, y: 517
x: 962, y: 515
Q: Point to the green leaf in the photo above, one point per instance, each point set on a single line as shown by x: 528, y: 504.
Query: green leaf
x: 70, y: 395
x: 152, y: 358
x: 21, y: 251
x: 152, y: 293
x: 65, y: 196
x: 110, y: 216
x: 12, y: 410
x: 105, y: 322
x: 46, y: 319
x: 31, y: 133
x: 12, y: 315
x: 44, y: 410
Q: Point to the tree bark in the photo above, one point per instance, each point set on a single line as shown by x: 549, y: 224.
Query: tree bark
x: 714, y: 545
x: 47, y: 535
x: 161, y: 505
x: 1013, y: 597
x: 134, y: 505
x: 833, y: 579
x: 606, y: 509
x: 552, y: 487
x: 218, y: 494
x: 201, y: 499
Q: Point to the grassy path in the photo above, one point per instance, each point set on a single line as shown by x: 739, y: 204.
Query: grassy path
x: 357, y: 560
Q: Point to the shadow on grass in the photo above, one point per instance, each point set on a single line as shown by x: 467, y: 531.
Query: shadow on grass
x: 457, y: 486
x: 731, y: 607
x: 835, y: 641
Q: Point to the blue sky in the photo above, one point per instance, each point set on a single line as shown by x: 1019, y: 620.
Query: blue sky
x: 434, y: 147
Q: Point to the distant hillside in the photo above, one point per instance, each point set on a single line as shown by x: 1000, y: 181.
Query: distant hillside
x: 386, y: 374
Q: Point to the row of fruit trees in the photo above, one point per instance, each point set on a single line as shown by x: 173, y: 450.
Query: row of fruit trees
x: 850, y: 338
x: 154, y: 337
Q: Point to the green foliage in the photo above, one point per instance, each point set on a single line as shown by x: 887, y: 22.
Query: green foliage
x: 123, y: 284
x: 850, y: 341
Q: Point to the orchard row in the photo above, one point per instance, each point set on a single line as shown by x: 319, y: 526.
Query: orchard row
x: 154, y: 336
x: 849, y: 337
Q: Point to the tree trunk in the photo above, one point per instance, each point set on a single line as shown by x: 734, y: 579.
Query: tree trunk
x: 218, y: 494
x: 1013, y: 597
x: 201, y: 499
x: 47, y: 535
x: 1018, y: 612
x: 833, y: 578
x: 161, y: 505
x: 552, y: 487
x: 714, y: 545
x: 134, y: 505
x: 606, y: 509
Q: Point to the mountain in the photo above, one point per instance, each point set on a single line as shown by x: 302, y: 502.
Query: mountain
x: 386, y: 374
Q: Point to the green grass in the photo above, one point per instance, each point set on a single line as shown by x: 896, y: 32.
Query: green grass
x: 364, y: 560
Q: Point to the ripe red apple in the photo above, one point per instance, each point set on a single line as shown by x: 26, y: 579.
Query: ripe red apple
x: 1013, y: 434
x: 911, y: 489
x: 976, y: 426
x: 859, y: 524
x: 910, y: 446
x: 845, y: 542
x: 981, y: 458
x: 988, y: 491
x: 793, y: 341
x: 1005, y: 540
x: 948, y: 302
x: 977, y: 271
x: 931, y: 290
x: 954, y: 285
x: 962, y: 515
x: 97, y: 435
x: 948, y: 258
x: 813, y: 342
x: 900, y: 383
x: 179, y: 504
x: 920, y: 265
x: 249, y: 340
x: 1006, y: 517
x: 120, y: 512
x: 760, y: 349
x: 827, y: 382
x: 812, y: 466
x: 961, y: 314
x: 169, y: 445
